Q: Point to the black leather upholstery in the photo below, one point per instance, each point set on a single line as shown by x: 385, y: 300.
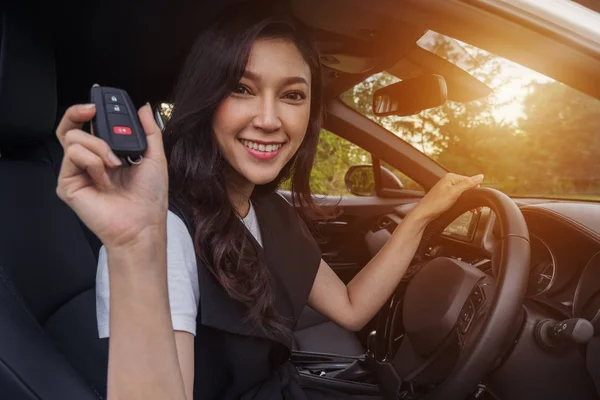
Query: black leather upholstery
x: 30, y: 365
x: 49, y: 346
x: 315, y: 333
x: 27, y: 73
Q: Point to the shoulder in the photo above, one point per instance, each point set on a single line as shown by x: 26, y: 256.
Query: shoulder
x: 276, y: 202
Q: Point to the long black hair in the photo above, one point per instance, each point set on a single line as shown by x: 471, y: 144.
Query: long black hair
x: 197, y: 168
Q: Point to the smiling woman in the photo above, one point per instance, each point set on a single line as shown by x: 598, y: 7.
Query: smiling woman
x: 269, y: 108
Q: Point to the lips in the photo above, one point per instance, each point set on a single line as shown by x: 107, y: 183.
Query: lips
x: 262, y: 147
x: 262, y: 151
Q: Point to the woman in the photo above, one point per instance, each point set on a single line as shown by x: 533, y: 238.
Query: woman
x: 210, y: 315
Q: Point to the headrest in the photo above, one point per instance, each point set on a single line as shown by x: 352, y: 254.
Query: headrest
x: 27, y: 81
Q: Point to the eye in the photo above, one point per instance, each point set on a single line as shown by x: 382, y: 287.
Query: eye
x: 295, y: 96
x: 241, y: 90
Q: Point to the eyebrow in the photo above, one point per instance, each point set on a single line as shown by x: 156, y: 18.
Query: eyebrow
x: 286, y: 81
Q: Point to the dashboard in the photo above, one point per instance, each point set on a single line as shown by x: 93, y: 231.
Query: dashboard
x: 463, y: 228
x: 564, y: 283
x: 543, y: 262
x: 564, y: 236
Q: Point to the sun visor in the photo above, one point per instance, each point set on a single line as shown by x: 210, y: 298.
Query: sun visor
x: 462, y: 86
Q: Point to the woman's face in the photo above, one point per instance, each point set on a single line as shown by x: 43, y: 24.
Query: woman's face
x: 261, y: 125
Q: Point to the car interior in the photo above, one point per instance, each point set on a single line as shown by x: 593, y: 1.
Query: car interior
x: 514, y: 268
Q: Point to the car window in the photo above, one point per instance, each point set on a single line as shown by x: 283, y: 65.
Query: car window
x: 407, y: 182
x: 533, y: 136
x: 335, y: 155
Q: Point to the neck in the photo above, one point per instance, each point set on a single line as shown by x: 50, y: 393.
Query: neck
x: 239, y: 190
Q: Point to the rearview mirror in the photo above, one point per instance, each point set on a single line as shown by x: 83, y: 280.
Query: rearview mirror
x: 410, y: 96
x: 360, y: 180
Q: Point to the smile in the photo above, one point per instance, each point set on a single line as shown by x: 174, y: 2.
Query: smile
x: 266, y: 148
x: 262, y: 151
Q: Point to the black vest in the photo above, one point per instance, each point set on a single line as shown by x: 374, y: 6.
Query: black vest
x: 234, y: 360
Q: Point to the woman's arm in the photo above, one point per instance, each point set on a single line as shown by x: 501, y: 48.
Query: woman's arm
x: 354, y: 305
x: 143, y: 361
x: 182, y: 288
x: 127, y: 209
x: 184, y: 341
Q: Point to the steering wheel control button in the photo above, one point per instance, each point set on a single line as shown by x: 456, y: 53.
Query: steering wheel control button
x: 113, y: 98
x: 122, y: 130
x: 466, y: 316
x: 463, y: 326
x: 478, y: 298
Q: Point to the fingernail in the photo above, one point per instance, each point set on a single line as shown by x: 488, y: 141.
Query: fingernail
x: 114, y: 160
x: 86, y: 107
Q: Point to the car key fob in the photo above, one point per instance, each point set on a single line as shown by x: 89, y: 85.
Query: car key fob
x: 117, y: 123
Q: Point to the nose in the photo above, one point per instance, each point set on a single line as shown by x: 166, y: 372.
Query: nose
x: 267, y: 116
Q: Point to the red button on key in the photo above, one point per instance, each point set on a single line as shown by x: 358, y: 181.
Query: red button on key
x: 122, y: 130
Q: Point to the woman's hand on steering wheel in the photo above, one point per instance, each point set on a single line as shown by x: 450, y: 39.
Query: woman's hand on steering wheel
x: 443, y: 195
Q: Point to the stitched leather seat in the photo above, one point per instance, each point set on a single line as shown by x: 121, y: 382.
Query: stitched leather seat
x: 49, y: 346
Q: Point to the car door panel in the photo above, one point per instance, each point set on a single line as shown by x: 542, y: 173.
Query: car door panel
x: 342, y: 238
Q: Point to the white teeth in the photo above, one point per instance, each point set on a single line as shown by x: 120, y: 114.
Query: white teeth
x: 261, y: 147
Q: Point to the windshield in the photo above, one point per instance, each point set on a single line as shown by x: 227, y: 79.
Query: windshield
x: 531, y: 137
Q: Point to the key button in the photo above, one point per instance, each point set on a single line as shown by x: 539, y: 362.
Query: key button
x: 111, y: 98
x: 116, y: 109
x: 122, y: 130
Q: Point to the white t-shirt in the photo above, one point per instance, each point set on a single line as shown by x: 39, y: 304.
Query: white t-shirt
x: 182, y: 276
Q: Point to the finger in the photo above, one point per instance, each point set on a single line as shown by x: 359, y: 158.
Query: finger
x: 454, y: 179
x: 470, y: 182
x: 74, y: 118
x: 94, y: 144
x: 155, y: 149
x: 79, y: 159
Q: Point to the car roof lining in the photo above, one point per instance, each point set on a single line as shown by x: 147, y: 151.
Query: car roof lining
x: 152, y: 45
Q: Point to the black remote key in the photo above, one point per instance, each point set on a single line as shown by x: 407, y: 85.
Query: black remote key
x: 116, y: 122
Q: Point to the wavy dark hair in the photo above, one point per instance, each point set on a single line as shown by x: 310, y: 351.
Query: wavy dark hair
x: 197, y: 168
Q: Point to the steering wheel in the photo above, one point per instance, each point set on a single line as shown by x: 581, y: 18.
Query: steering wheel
x: 458, y: 321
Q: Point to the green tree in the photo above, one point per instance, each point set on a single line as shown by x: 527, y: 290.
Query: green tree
x: 561, y: 141
x: 335, y: 156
